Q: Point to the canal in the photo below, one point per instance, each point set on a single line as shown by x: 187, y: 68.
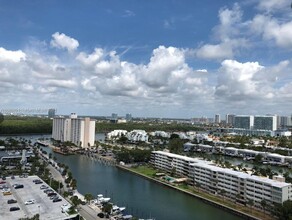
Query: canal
x: 141, y: 197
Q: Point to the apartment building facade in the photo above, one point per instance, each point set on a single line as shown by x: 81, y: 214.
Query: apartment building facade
x: 235, y: 185
x: 80, y: 131
x: 265, y: 122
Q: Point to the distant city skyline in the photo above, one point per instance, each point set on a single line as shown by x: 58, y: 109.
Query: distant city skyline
x: 170, y: 59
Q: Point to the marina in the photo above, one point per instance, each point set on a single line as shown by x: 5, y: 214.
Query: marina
x: 141, y: 197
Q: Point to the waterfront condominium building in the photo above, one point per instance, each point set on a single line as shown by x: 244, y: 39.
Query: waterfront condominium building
x: 80, y: 131
x: 243, y: 121
x: 217, y: 119
x: 237, y: 186
x: 230, y: 119
x: 265, y: 122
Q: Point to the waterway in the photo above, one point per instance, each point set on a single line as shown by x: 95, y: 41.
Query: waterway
x: 143, y: 198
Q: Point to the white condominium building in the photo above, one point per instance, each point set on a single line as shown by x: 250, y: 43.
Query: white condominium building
x: 116, y: 134
x: 80, y: 131
x: 234, y: 185
x: 137, y: 135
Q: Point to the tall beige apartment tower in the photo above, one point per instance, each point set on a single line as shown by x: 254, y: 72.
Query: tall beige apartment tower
x: 80, y: 131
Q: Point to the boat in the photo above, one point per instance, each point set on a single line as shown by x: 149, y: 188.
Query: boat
x: 101, y: 199
x: 121, y: 209
x: 127, y: 217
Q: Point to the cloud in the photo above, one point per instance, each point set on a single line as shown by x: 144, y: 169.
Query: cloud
x: 272, y: 5
x: 227, y: 34
x: 165, y: 63
x: 128, y: 13
x: 61, y: 83
x: 11, y: 56
x: 89, y: 59
x: 252, y: 83
x: 217, y: 51
x: 272, y: 29
x: 62, y: 41
x: 172, y: 79
x: 235, y: 81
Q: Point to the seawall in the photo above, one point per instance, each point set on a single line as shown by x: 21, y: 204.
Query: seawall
x: 216, y: 204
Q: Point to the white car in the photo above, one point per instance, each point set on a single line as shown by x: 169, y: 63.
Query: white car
x: 65, y: 207
x: 29, y: 202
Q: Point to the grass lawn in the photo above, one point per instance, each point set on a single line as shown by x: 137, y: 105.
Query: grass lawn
x: 145, y: 170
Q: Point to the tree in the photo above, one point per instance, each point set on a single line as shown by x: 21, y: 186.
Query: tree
x: 174, y: 136
x: 222, y: 192
x: 264, y: 204
x: 73, y: 183
x: 175, y: 145
x: 283, y: 211
x: 173, y: 171
x: 198, y: 185
x: 88, y: 197
x: 227, y: 164
x: 107, y: 208
x: 250, y: 203
x: 238, y: 198
x: 240, y: 166
x: 258, y: 158
x: 75, y: 200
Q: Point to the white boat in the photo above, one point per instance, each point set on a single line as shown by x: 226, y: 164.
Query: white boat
x: 104, y: 200
x: 101, y: 199
x: 115, y: 208
x: 127, y: 217
x: 122, y: 209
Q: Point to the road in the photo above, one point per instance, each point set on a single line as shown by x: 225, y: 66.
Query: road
x: 84, y: 210
x: 88, y: 213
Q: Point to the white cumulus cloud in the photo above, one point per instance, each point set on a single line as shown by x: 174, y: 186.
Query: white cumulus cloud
x: 63, y: 41
x: 12, y: 56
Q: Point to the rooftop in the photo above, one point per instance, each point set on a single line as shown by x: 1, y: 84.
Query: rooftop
x: 213, y: 167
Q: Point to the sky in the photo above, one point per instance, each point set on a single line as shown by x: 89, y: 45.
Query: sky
x: 162, y: 58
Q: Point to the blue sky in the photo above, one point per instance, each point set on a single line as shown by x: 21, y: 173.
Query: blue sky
x: 179, y: 58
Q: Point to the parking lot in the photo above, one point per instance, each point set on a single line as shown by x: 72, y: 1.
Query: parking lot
x: 43, y: 205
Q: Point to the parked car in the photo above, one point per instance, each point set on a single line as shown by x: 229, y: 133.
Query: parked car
x: 11, y: 201
x: 7, y: 193
x: 14, y: 209
x: 54, y: 197
x: 18, y: 186
x: 48, y: 190
x: 38, y: 182
x: 29, y: 202
x: 57, y: 200
x: 44, y: 187
x: 2, y: 182
x: 52, y: 194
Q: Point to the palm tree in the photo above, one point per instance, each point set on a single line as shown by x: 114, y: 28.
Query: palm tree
x: 74, y: 183
x: 88, y: 197
x: 250, y: 203
x: 264, y: 204
x: 198, y: 185
x: 238, y: 198
x: 222, y: 192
